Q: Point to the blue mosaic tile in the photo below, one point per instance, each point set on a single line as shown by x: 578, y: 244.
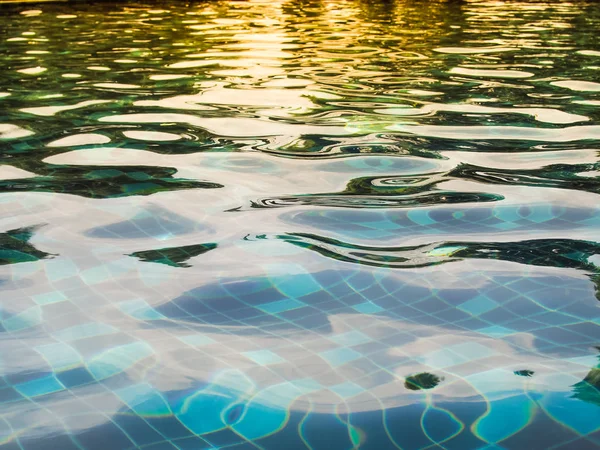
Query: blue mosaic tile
x: 263, y: 357
x: 289, y: 225
x: 40, y: 386
x: 50, y: 297
x: 478, y: 305
x: 339, y: 356
x: 281, y: 306
x: 368, y: 308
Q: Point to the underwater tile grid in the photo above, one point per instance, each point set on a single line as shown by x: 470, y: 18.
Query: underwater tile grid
x: 300, y: 224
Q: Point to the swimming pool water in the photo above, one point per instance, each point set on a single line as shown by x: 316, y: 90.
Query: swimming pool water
x: 300, y: 224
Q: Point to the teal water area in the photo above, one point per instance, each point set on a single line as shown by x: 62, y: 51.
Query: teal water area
x: 300, y: 224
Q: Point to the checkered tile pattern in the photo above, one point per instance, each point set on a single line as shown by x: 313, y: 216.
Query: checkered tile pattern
x: 272, y: 225
x: 276, y: 357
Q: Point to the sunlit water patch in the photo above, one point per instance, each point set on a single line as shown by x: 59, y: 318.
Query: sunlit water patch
x: 300, y: 224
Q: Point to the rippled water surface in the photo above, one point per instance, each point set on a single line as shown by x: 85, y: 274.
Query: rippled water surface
x: 300, y: 224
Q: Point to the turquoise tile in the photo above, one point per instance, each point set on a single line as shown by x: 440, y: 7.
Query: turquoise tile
x: 95, y: 275
x: 49, y: 298
x: 85, y: 330
x: 347, y: 389
x: 339, y: 356
x: 308, y: 385
x: 205, y: 410
x: 420, y: 217
x: 60, y: 268
x: 281, y: 306
x: 139, y: 309
x: 381, y: 225
x: 541, y: 213
x: 40, y: 386
x: 478, y: 305
x: 505, y: 418
x: 350, y: 339
x: 22, y: 271
x: 144, y: 400
x: 267, y: 411
x: 118, y: 359
x: 572, y: 412
x: 506, y: 213
x: 296, y: 286
x: 367, y: 308
x: 60, y: 356
x: 26, y: 319
x: 496, y: 331
x: 264, y: 357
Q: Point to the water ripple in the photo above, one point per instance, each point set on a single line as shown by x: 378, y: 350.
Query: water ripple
x: 299, y: 223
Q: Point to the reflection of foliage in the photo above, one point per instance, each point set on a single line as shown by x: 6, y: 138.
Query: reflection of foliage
x: 588, y: 389
x: 410, y: 185
x: 421, y: 190
x: 567, y: 253
x: 105, y: 182
x: 596, y: 280
x: 422, y: 380
x: 174, y: 256
x: 524, y: 373
x: 543, y: 252
x: 563, y: 176
x: 383, y: 192
x: 15, y: 247
x: 408, y: 256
